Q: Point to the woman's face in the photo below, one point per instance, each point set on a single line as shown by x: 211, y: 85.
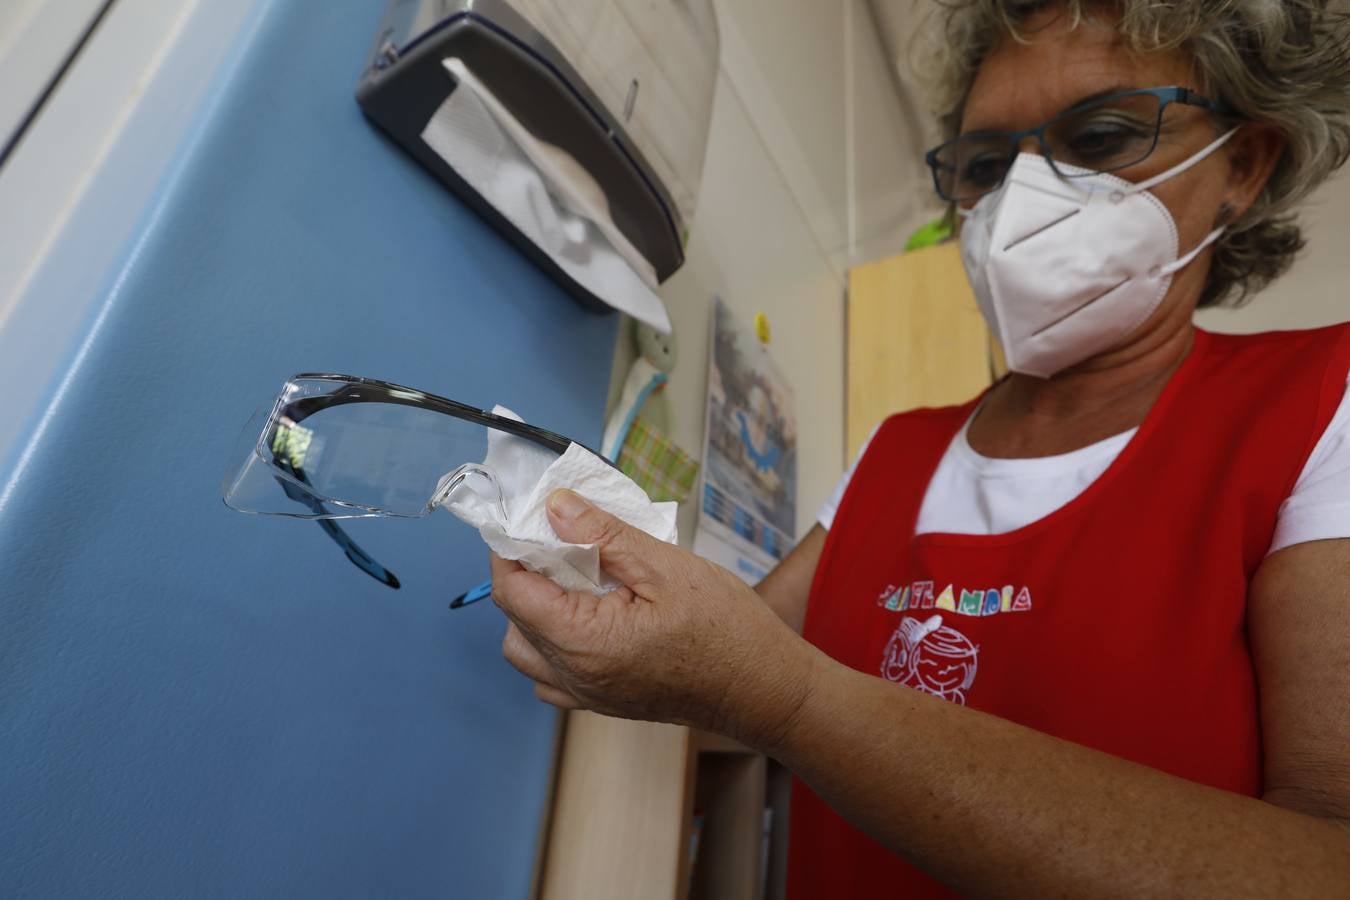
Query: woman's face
x: 1021, y: 85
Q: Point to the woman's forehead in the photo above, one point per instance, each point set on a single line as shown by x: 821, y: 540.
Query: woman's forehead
x: 1022, y: 83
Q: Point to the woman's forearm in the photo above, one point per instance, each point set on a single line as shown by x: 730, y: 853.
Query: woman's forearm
x: 986, y: 806
x: 993, y: 808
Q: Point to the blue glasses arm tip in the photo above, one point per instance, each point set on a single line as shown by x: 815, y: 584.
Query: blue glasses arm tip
x: 473, y: 595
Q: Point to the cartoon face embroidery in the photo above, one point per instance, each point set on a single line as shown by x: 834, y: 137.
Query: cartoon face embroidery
x: 931, y: 657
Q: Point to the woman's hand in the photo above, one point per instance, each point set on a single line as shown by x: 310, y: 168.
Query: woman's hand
x: 684, y: 642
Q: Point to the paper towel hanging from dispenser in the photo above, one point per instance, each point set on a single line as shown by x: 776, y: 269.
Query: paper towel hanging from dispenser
x: 577, y: 127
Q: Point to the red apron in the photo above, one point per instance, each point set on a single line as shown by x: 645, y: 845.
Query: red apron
x: 1116, y: 622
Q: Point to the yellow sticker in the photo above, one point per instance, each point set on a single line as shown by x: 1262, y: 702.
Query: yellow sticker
x: 762, y: 328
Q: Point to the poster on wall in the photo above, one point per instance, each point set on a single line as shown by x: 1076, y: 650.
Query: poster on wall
x: 748, y: 494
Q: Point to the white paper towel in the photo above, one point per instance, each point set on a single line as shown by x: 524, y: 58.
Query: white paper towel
x: 518, y: 527
x: 544, y: 193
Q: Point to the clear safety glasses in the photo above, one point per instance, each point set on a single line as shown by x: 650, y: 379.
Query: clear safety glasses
x: 341, y: 447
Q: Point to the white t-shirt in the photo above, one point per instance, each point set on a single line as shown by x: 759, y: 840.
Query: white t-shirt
x: 974, y: 494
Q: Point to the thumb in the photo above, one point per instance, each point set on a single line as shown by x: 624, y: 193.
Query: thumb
x: 627, y: 553
x: 527, y: 598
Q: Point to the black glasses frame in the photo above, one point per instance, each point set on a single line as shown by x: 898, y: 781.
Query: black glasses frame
x: 1166, y: 96
x: 355, y: 389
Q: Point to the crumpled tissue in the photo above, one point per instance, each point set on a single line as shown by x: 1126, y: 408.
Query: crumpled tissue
x: 518, y: 527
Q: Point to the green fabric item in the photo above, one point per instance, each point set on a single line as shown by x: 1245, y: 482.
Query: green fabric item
x: 935, y: 232
x: 659, y: 467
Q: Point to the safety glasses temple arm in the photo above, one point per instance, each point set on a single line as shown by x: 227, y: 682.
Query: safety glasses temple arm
x: 359, y: 557
x: 367, y: 390
x: 473, y: 595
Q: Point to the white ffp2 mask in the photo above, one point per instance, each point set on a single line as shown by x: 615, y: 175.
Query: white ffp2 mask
x: 1065, y: 268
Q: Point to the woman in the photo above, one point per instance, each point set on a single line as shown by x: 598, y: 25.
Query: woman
x: 1118, y: 584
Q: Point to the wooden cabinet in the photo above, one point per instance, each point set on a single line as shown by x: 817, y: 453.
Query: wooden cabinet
x: 915, y: 338
x: 623, y: 811
x: 728, y: 792
x: 618, y: 827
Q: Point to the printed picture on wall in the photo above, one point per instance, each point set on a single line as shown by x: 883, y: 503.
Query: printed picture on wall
x: 748, y: 503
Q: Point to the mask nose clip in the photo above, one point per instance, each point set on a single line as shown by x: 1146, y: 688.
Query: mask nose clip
x: 452, y: 480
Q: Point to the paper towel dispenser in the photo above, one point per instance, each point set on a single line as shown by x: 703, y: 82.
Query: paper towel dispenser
x: 623, y: 87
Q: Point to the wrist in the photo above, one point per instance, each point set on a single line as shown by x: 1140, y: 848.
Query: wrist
x: 788, y: 679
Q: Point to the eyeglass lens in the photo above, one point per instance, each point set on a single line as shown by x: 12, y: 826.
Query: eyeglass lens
x: 1114, y: 134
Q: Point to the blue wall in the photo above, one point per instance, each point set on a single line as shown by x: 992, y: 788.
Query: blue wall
x: 194, y: 702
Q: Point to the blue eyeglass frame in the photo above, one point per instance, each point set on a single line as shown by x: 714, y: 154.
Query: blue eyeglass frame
x: 1166, y: 96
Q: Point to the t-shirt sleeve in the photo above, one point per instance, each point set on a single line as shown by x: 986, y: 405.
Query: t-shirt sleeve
x: 831, y: 506
x: 1318, y: 508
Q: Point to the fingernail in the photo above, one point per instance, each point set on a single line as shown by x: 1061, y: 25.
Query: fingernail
x: 567, y: 504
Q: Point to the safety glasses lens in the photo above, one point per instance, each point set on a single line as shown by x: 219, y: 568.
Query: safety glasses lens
x: 315, y: 459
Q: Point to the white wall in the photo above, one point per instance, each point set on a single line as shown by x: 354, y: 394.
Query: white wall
x: 772, y: 229
x: 73, y: 190
x: 815, y: 79
x: 1316, y: 291
x: 35, y: 38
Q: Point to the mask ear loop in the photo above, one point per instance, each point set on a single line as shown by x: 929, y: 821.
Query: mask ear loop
x: 1199, y: 248
x: 451, y: 481
x: 1184, y: 164
x: 1173, y: 172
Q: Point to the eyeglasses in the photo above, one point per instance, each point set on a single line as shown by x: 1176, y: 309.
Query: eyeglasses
x: 1101, y: 135
x: 342, y: 447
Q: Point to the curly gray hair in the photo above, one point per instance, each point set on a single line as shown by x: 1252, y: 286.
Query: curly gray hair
x: 1281, y: 62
